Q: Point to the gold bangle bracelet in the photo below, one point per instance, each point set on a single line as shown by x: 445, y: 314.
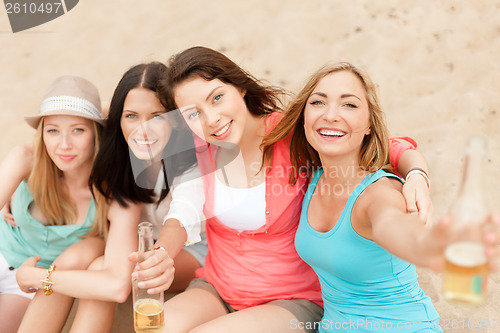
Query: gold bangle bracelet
x: 47, y: 282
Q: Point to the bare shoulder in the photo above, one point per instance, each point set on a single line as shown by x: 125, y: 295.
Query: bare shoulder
x: 384, y: 185
x: 385, y: 189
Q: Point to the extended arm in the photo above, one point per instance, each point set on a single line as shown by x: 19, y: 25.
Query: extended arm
x: 400, y: 233
x: 381, y: 217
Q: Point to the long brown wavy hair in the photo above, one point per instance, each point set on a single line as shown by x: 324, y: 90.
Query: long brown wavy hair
x: 374, y: 154
x: 260, y: 98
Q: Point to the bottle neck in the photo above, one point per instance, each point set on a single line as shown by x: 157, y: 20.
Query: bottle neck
x: 470, y: 206
x: 145, y: 238
x: 472, y: 179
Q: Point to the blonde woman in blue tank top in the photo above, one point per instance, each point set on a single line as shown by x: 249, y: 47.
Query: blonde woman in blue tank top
x: 354, y: 230
x: 52, y: 207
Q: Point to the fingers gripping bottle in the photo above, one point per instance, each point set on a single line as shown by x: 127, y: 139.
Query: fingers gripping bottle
x: 148, y: 308
x: 466, y: 268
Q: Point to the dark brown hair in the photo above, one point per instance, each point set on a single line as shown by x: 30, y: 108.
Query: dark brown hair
x: 209, y: 64
x: 112, y: 173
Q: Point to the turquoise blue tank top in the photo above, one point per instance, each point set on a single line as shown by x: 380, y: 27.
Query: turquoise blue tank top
x: 30, y: 237
x: 365, y: 288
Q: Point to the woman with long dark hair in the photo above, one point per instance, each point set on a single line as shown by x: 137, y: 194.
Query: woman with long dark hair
x: 150, y: 151
x: 144, y: 157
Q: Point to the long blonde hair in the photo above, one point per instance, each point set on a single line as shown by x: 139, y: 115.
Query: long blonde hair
x: 374, y: 153
x: 45, y: 185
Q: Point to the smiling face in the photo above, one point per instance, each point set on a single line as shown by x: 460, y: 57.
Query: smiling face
x: 69, y: 141
x: 336, y: 116
x: 214, y: 110
x: 144, y: 124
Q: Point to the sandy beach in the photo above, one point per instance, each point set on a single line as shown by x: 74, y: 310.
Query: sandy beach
x: 436, y: 64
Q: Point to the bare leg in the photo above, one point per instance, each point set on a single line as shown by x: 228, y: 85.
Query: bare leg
x: 185, y: 266
x: 49, y: 313
x: 12, y: 308
x: 190, y: 309
x: 46, y: 313
x: 92, y: 315
x: 262, y: 319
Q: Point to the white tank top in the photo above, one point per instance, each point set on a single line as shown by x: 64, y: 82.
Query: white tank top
x: 241, y: 209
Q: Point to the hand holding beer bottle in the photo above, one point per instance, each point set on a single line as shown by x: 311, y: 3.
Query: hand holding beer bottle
x: 466, y: 268
x: 148, y: 308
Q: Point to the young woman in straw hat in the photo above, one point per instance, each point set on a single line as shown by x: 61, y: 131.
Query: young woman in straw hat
x: 53, y: 206
x: 253, y: 279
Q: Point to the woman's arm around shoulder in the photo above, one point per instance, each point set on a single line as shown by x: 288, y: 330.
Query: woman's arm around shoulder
x: 404, y: 159
x: 15, y: 167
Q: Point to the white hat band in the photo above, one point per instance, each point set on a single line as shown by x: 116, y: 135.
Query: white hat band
x: 69, y: 103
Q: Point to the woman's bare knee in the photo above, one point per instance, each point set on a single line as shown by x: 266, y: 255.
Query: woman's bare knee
x: 190, y: 309
x: 97, y: 264
x: 81, y: 254
x: 185, y: 266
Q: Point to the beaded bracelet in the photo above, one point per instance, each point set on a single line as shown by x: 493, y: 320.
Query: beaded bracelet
x: 420, y: 172
x: 47, y: 282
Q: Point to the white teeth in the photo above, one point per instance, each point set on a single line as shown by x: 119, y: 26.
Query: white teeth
x: 145, y: 143
x: 331, y: 133
x: 223, y: 129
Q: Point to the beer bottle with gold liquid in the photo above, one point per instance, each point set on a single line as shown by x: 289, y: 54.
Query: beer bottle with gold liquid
x: 148, y: 308
x: 466, y: 268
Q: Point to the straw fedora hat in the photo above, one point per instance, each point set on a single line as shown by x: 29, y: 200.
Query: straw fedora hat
x: 71, y: 96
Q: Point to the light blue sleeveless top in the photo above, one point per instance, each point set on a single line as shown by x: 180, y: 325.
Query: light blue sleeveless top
x: 30, y: 237
x: 365, y: 288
